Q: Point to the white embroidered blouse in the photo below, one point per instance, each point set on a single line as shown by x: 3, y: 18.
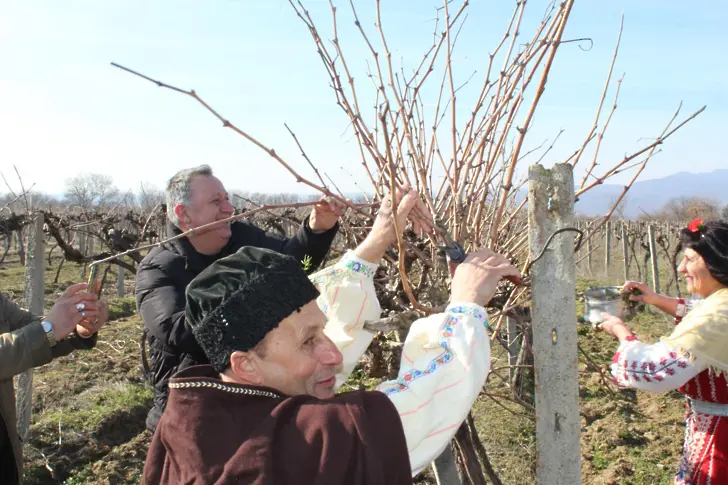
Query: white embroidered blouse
x: 449, y: 352
x: 654, y: 367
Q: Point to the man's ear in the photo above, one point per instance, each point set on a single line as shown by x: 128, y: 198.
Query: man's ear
x: 181, y: 212
x: 244, y: 367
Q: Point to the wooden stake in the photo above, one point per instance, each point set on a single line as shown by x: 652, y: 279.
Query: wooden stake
x: 445, y: 469
x: 513, y: 346
x: 625, y: 251
x: 120, y: 281
x: 653, y: 259
x: 607, y: 247
x: 34, y: 291
x: 589, y: 255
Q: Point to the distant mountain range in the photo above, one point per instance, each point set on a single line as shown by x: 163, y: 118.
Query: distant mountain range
x: 651, y: 195
x: 647, y: 196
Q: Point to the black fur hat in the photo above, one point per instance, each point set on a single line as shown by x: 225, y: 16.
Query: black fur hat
x: 237, y: 300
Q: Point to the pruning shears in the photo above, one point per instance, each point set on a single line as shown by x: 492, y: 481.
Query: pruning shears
x: 454, y: 251
x: 456, y: 254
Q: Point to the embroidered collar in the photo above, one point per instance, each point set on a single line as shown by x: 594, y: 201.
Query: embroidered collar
x: 221, y: 386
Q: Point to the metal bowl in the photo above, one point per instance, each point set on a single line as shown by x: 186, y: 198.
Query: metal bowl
x: 602, y: 299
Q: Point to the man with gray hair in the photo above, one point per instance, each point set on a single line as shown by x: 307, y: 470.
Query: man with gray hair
x: 196, y: 197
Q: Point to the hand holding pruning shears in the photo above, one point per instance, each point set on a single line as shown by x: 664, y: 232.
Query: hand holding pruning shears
x: 456, y: 254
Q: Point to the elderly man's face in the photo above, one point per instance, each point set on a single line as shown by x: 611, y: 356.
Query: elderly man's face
x: 209, y: 202
x: 297, y: 357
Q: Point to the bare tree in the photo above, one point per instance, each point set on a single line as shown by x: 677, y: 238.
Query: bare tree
x: 91, y: 191
x: 620, y: 207
x: 724, y: 213
x: 688, y: 208
x: 149, y: 196
x: 45, y: 201
x: 267, y: 199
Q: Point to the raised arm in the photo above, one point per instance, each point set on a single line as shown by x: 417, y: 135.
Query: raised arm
x: 654, y: 367
x: 309, y: 245
x: 675, y: 307
x: 657, y: 367
x: 446, y: 357
x: 348, y: 300
x: 445, y: 361
x: 25, y: 345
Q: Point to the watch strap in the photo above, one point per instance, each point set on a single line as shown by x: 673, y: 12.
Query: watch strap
x: 50, y: 336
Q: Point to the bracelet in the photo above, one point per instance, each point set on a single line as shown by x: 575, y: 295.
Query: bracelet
x: 682, y: 308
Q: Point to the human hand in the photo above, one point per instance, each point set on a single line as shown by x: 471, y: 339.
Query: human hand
x: 383, y: 234
x: 73, y: 306
x: 88, y: 327
x: 614, y: 326
x: 409, y: 206
x: 326, y: 214
x: 643, y: 294
x: 476, y: 279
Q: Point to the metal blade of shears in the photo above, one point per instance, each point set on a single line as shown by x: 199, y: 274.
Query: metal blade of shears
x: 456, y: 254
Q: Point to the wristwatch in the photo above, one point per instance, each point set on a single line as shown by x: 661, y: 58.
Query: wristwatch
x: 50, y: 336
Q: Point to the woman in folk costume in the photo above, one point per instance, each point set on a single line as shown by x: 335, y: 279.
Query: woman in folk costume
x: 265, y: 411
x: 694, y: 358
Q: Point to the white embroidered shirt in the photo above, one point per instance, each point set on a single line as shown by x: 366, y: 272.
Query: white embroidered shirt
x: 445, y: 358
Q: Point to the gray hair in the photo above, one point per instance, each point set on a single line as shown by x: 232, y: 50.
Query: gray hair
x: 179, y: 190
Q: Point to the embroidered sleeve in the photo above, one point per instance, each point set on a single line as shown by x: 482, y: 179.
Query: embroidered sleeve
x: 348, y: 299
x: 657, y: 367
x: 445, y: 360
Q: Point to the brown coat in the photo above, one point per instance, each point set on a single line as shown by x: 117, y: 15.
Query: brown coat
x: 217, y: 433
x: 23, y: 345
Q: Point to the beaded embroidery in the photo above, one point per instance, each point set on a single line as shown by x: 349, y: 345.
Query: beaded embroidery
x: 468, y: 310
x: 402, y: 382
x: 224, y: 387
x: 337, y: 273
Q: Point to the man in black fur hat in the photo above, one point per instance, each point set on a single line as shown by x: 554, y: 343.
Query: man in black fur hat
x: 265, y: 411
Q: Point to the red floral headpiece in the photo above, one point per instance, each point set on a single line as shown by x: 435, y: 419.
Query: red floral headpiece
x: 696, y: 226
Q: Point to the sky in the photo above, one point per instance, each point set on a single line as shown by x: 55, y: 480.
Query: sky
x: 65, y: 110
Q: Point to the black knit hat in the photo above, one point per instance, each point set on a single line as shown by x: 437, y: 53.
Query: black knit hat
x: 238, y: 299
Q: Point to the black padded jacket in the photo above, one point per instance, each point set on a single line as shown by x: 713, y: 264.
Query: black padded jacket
x: 161, y: 281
